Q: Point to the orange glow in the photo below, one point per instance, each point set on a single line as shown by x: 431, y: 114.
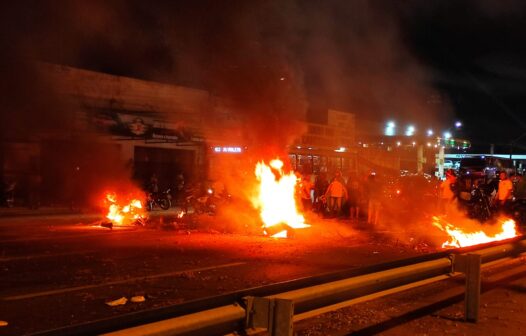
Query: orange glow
x: 127, y: 214
x: 460, y: 238
x: 281, y: 234
x: 275, y: 199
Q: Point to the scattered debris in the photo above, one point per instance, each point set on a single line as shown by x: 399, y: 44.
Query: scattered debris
x: 137, y: 299
x: 118, y: 302
x: 108, y: 225
x: 3, y: 323
x: 187, y: 275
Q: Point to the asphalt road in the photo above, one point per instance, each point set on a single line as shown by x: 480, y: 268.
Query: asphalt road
x: 61, y: 270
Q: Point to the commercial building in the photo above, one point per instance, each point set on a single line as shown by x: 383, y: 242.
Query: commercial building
x: 116, y: 127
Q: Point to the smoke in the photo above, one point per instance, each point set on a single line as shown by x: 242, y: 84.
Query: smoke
x: 269, y: 58
x: 73, y: 164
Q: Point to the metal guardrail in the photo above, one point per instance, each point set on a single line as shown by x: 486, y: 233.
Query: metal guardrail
x: 275, y: 312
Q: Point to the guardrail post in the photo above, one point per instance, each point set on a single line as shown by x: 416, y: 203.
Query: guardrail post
x: 469, y: 264
x: 274, y: 314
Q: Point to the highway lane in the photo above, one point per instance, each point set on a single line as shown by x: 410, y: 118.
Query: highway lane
x: 60, y: 272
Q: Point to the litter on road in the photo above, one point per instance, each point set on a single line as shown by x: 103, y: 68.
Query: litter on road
x: 118, y: 302
x: 137, y: 299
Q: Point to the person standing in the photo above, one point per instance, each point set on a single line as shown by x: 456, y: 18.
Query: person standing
x: 354, y: 193
x: 520, y: 188
x: 447, y: 196
x: 154, y: 184
x: 305, y: 193
x: 373, y: 198
x: 335, y: 195
x: 320, y: 186
x: 504, y: 191
x: 34, y: 184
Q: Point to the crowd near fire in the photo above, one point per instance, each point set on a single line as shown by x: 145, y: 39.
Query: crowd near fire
x: 284, y: 198
x: 164, y: 158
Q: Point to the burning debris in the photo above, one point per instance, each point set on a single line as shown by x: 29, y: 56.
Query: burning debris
x: 125, y: 213
x: 276, y: 200
x: 460, y: 238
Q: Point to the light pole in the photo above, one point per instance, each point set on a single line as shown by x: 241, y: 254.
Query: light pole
x: 513, y: 142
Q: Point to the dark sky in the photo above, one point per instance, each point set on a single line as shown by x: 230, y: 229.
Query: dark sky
x: 476, y: 51
x: 427, y: 62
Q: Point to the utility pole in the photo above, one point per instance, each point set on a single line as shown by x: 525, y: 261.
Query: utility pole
x: 441, y: 161
x: 513, y: 142
x: 420, y: 160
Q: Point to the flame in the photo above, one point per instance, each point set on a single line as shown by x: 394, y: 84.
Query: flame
x: 127, y: 214
x: 275, y: 198
x: 460, y: 238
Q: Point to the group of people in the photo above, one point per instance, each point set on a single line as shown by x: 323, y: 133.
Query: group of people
x: 501, y: 190
x: 340, y: 197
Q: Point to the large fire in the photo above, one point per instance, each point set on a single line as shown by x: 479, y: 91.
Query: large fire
x: 276, y: 200
x: 461, y: 238
x: 125, y: 213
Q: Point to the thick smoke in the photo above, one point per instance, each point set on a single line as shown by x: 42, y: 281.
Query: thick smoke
x: 77, y: 164
x: 270, y: 57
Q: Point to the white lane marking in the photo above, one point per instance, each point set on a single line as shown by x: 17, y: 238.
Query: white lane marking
x: 117, y: 282
x: 103, y: 233
x: 49, y: 255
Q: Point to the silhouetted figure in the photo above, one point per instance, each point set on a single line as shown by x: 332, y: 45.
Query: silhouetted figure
x: 34, y: 185
x: 354, y: 191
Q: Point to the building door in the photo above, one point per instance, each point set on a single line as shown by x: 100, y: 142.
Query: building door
x: 165, y: 163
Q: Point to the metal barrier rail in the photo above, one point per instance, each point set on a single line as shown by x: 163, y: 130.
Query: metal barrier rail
x: 275, y: 312
x: 157, y: 314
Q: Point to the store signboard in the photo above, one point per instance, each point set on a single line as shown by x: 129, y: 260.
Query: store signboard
x: 227, y: 149
x: 139, y: 126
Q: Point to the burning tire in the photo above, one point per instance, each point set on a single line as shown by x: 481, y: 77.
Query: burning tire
x: 165, y: 203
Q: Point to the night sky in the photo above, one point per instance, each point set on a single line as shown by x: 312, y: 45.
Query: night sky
x: 425, y: 62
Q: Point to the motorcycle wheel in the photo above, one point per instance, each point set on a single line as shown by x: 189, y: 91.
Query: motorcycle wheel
x: 165, y: 203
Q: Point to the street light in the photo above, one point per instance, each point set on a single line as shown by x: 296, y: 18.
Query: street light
x: 410, y: 131
x: 447, y: 135
x: 390, y: 128
x: 429, y: 132
x: 458, y: 124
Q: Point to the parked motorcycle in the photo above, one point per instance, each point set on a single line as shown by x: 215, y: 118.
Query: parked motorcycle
x: 160, y: 199
x: 479, y: 205
x: 204, y: 202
